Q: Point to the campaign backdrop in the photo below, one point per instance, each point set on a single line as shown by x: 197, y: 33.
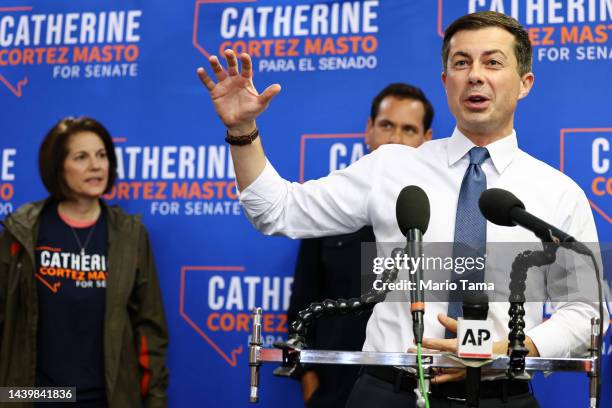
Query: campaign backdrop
x: 131, y: 64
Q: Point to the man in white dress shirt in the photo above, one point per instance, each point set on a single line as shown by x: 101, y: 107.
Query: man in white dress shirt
x: 486, y: 70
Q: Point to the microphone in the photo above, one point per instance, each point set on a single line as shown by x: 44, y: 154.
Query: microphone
x: 412, y: 212
x: 475, y: 307
x: 503, y: 208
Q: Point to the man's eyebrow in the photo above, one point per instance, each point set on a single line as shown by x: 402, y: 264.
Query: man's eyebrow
x: 495, y: 51
x: 486, y: 53
x: 461, y: 54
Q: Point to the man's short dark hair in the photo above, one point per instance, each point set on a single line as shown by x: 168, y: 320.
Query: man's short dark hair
x: 485, y: 19
x: 404, y: 91
x: 54, y: 150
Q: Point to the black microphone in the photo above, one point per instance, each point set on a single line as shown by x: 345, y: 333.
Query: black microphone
x: 412, y: 212
x: 501, y: 207
x: 475, y: 307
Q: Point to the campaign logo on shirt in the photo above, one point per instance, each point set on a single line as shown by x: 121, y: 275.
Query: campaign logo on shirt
x: 559, y: 31
x: 340, y: 150
x: 7, y: 180
x: 586, y: 156
x: 59, y: 268
x: 302, y: 36
x: 176, y: 180
x: 216, y: 302
x: 66, y: 44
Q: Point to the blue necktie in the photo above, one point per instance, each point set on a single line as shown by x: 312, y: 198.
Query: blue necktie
x: 470, y: 228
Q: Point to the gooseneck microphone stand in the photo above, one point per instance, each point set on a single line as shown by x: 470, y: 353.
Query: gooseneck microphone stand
x: 298, y: 329
x: 518, y: 275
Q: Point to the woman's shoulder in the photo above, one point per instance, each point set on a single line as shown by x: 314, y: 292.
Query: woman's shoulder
x: 119, y: 218
x: 27, y: 213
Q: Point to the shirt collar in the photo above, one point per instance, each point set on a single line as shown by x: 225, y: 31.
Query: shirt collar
x: 501, y: 151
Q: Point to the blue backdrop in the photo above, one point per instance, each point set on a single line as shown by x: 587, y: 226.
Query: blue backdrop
x: 131, y: 64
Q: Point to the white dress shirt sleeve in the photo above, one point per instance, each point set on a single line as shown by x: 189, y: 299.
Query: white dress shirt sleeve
x: 331, y: 205
x: 567, y: 332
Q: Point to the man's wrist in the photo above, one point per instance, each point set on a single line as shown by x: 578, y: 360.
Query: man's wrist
x: 242, y: 140
x: 533, y: 349
x: 240, y: 130
x: 503, y: 347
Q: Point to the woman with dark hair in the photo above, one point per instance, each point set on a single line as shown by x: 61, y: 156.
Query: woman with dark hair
x: 80, y: 303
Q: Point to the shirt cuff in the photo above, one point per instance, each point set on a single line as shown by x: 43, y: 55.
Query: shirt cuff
x: 549, y: 340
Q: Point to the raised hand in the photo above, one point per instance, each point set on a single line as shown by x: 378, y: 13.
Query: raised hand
x: 234, y: 96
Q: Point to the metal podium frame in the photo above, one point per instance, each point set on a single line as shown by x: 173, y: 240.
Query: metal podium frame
x: 290, y: 356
